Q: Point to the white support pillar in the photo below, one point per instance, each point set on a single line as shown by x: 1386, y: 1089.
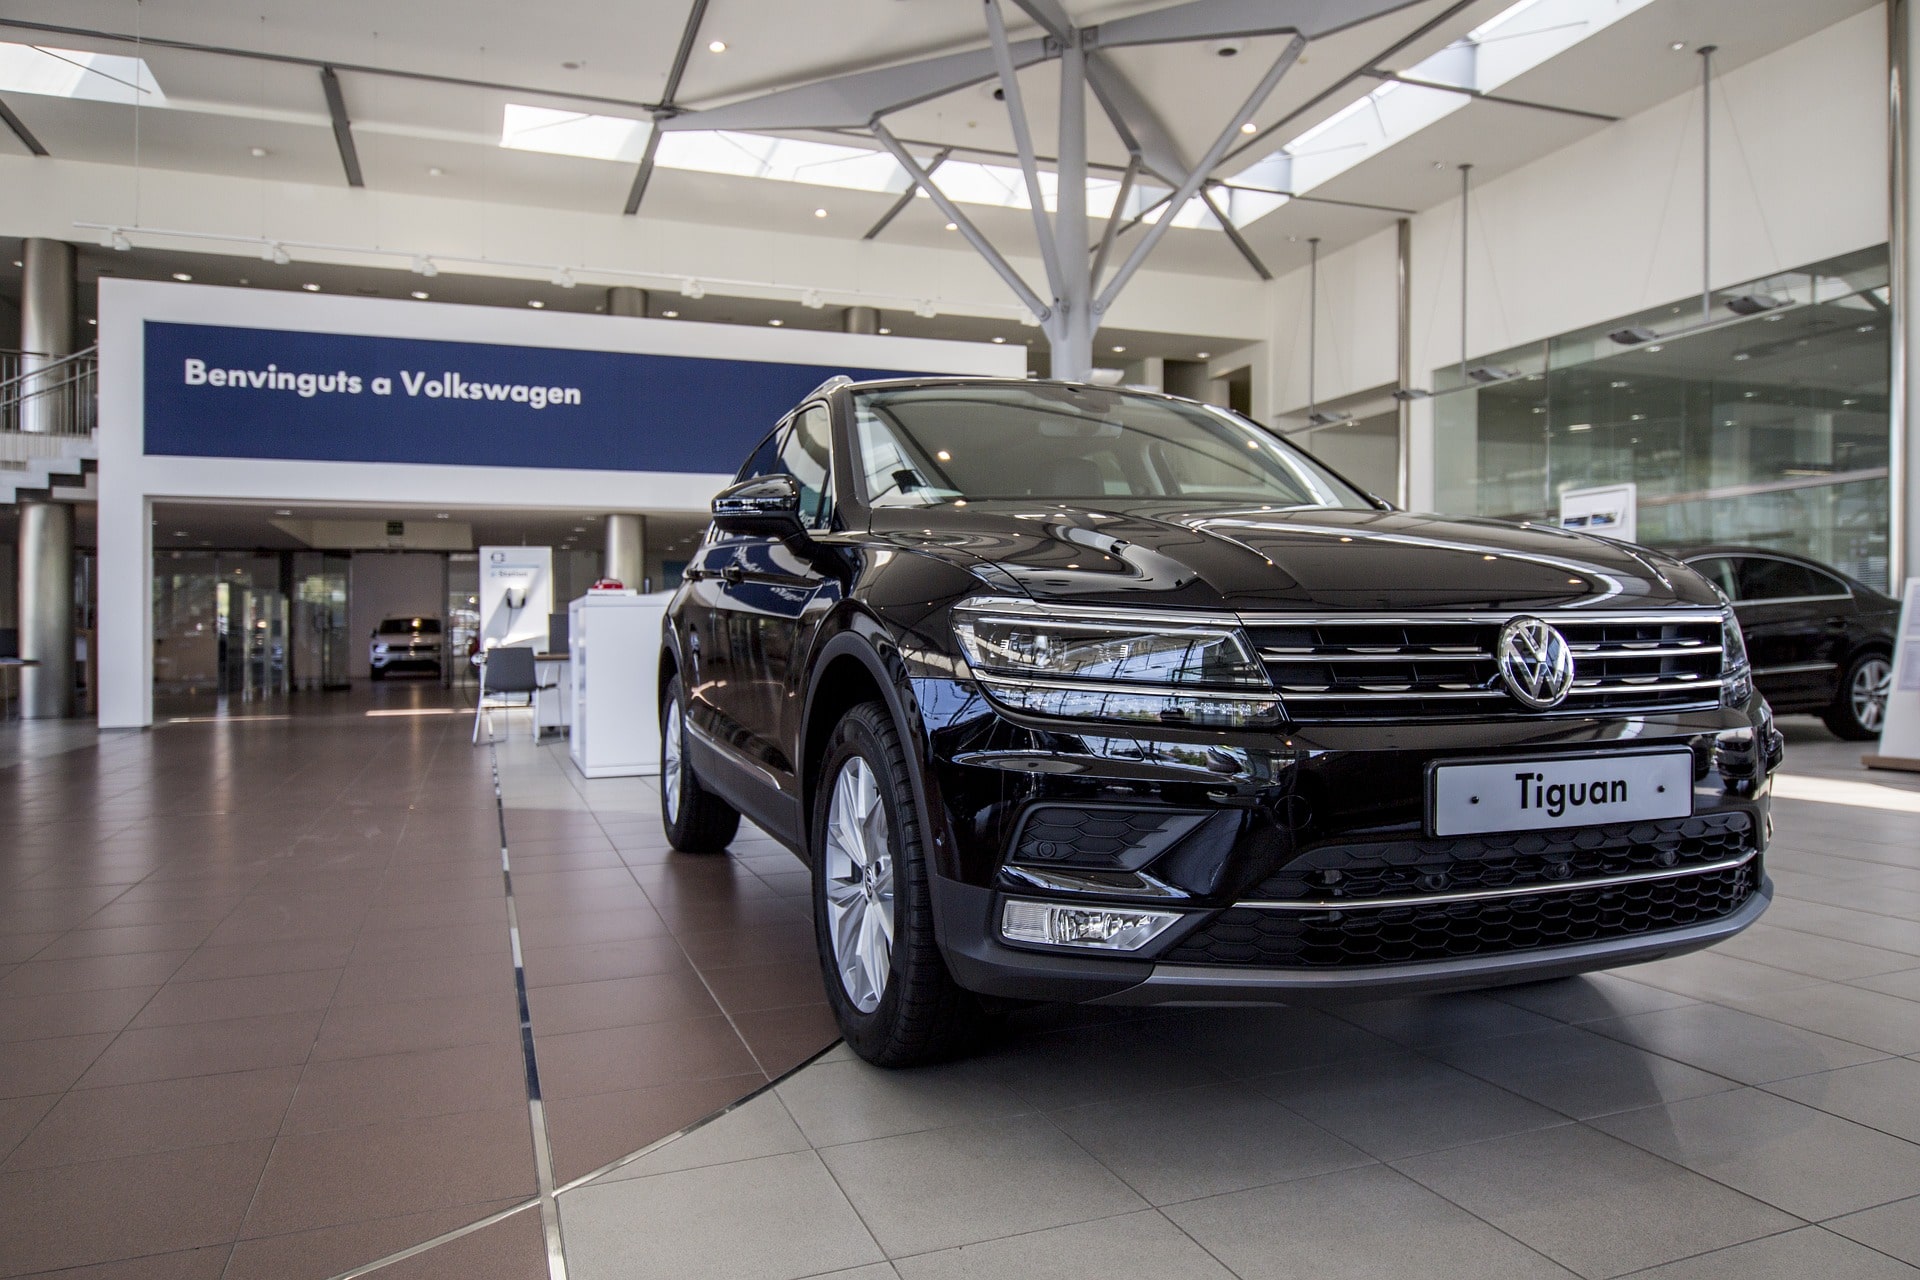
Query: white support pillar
x: 45, y: 578
x: 626, y: 557
x: 1903, y: 487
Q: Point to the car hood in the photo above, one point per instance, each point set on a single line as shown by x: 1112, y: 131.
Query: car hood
x: 1176, y: 554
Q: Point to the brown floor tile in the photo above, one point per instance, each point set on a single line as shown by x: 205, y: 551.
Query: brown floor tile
x: 782, y: 1039
x: 129, y: 912
x: 697, y: 916
x: 351, y: 1092
x: 348, y: 1175
x: 591, y: 1132
x: 464, y: 940
x: 616, y: 1058
x: 188, y: 1264
x: 71, y: 1014
x: 790, y: 943
x: 106, y: 1210
x: 218, y: 999
x: 407, y: 1026
x: 92, y: 973
x: 572, y: 929
x: 18, y: 1116
x: 251, y: 959
x: 164, y: 1115
x: 327, y: 1251
x: 512, y: 1249
x: 15, y: 947
x: 556, y: 966
x: 47, y: 1066
x: 752, y: 987
x: 620, y: 1002
x: 128, y: 939
x: 392, y: 917
x: 387, y: 979
x: 205, y: 1048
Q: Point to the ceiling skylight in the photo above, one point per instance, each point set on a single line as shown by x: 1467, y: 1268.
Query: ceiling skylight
x: 572, y: 133
x: 75, y: 73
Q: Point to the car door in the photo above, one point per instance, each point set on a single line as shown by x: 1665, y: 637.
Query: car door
x: 1793, y: 618
x: 767, y: 593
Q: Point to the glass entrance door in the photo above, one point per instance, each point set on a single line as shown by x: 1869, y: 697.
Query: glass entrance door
x: 320, y: 642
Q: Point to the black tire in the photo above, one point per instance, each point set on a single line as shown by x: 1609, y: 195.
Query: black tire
x: 696, y: 820
x: 1852, y: 718
x: 921, y: 1014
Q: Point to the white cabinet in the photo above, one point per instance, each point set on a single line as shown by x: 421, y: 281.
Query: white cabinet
x: 614, y: 641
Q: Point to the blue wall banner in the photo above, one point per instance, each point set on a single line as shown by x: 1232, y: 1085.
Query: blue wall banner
x: 217, y: 392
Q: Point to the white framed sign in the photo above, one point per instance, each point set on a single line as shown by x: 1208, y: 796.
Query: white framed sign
x: 1610, y: 511
x: 516, y: 595
x: 1900, y: 731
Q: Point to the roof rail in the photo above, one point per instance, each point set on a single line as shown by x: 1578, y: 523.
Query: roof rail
x: 831, y: 385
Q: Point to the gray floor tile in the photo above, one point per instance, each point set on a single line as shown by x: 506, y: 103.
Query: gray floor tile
x: 1729, y: 1042
x: 1403, y: 1105
x: 1809, y: 953
x: 836, y: 1102
x: 1421, y: 1021
x: 872, y: 1271
x: 758, y: 1128
x: 775, y: 1218
x: 1905, y: 984
x: 1598, y: 1205
x: 1882, y: 1095
x: 1716, y: 975
x: 1244, y: 1042
x: 1588, y: 997
x: 1805, y: 1161
x: 1360, y: 1224
x: 1846, y: 1012
x: 945, y: 1187
x: 1892, y: 1229
x: 1133, y: 1246
x: 1099, y: 1064
x: 1791, y: 1255
x: 1848, y: 926
x: 1200, y: 1142
x: 1580, y: 1073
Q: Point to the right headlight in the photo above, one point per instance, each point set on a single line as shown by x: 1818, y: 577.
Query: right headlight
x: 1736, y: 673
x: 1084, y: 665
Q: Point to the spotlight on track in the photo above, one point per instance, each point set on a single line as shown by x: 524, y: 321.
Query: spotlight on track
x: 1632, y: 335
x: 1752, y: 304
x: 1491, y: 373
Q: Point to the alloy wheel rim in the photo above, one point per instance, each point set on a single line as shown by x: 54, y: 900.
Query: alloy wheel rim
x: 1871, y: 685
x: 670, y: 764
x: 859, y: 886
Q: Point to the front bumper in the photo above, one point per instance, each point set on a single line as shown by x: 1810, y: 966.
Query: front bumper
x: 1313, y: 815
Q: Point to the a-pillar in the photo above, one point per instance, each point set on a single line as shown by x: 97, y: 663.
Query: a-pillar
x: 626, y: 300
x: 45, y: 579
x: 626, y: 558
x: 861, y: 320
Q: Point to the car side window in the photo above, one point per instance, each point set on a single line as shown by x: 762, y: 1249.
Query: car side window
x: 1825, y: 584
x: 1764, y: 578
x: 1718, y: 571
x: 764, y: 459
x: 807, y: 455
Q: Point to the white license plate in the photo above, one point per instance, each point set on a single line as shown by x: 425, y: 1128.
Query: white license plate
x: 1568, y: 791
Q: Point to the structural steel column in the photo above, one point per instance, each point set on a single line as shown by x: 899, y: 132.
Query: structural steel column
x: 861, y: 320
x: 626, y: 300
x: 1403, y: 361
x: 626, y: 559
x: 1903, y: 480
x: 46, y: 609
x: 46, y: 322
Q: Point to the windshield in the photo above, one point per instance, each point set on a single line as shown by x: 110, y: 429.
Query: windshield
x: 409, y: 626
x: 921, y: 446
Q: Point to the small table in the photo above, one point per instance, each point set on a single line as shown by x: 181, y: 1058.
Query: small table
x: 6, y: 686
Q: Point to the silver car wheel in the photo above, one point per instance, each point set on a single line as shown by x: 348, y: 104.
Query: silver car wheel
x: 859, y: 885
x: 1872, y: 682
x: 670, y: 763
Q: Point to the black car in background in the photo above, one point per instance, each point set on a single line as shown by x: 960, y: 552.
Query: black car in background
x: 1820, y: 642
x: 1069, y: 693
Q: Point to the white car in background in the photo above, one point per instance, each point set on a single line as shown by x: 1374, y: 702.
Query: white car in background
x: 399, y: 644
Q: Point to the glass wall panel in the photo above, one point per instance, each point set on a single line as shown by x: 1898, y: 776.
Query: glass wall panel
x: 1767, y: 429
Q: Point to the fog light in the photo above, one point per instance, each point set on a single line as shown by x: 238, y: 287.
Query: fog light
x: 1099, y: 928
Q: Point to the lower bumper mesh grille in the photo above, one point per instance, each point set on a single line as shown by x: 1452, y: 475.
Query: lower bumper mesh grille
x: 1445, y: 931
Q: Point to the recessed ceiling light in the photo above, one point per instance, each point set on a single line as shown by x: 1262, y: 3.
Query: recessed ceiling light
x: 884, y: 329
x: 421, y: 294
x: 579, y: 528
x: 776, y: 322
x: 997, y: 338
x: 1249, y: 127
x: 671, y: 315
x: 716, y: 46
x: 179, y: 533
x: 953, y: 226
x: 258, y: 153
x: 819, y: 213
x: 535, y: 303
x: 1118, y: 350
x: 1203, y: 355
x: 1677, y: 45
x: 439, y: 515
x: 182, y: 277
x: 435, y: 171
x: 244, y: 280
x: 91, y: 320
x: 310, y: 287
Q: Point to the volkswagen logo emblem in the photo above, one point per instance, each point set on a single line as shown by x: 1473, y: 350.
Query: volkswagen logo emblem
x: 1535, y: 663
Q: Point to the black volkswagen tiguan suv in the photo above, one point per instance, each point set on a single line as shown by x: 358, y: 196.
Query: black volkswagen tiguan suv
x: 1068, y: 693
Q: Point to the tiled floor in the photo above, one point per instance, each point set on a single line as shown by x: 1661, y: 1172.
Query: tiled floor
x: 258, y: 1019
x: 1749, y: 1112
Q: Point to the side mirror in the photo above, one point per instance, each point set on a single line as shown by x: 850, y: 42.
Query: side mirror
x: 767, y: 506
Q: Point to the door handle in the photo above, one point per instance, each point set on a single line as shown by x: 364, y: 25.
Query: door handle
x: 733, y: 574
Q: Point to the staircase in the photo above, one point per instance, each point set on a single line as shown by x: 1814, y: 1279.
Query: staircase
x: 48, y: 419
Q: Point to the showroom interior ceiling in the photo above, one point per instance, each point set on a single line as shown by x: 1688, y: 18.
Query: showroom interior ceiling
x: 427, y: 87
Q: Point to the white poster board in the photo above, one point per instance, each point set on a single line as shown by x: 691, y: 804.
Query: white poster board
x: 516, y: 595
x: 1900, y: 734
x: 1609, y: 511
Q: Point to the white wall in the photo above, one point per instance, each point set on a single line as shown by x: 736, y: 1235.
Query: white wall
x: 1611, y: 224
x: 389, y: 584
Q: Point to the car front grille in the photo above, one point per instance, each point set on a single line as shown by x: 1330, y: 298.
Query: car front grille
x: 1451, y: 930
x: 1443, y: 666
x: 1357, y: 873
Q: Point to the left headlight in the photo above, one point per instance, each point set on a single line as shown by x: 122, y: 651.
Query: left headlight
x: 1736, y: 672
x: 1184, y: 670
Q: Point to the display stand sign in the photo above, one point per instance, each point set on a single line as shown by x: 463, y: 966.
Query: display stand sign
x: 516, y: 595
x: 1900, y: 731
x: 1609, y: 511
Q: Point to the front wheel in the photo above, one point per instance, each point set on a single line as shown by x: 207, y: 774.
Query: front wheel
x: 696, y: 820
x: 886, y: 980
x: 1859, y: 708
